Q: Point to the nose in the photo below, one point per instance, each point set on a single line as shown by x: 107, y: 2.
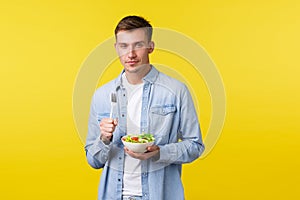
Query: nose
x: 131, y: 53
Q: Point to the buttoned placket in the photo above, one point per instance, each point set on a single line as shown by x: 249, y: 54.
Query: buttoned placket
x: 122, y: 110
x: 144, y: 127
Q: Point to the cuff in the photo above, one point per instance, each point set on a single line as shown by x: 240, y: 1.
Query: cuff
x: 167, y: 153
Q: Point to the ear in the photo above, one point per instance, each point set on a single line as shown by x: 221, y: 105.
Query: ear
x: 115, y: 45
x: 151, y: 47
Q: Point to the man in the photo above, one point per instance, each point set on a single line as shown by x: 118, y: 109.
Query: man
x: 148, y: 101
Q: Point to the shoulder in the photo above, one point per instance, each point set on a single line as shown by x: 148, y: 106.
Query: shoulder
x: 105, y: 90
x: 170, y: 83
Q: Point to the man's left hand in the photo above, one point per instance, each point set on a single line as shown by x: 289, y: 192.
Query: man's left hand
x: 151, y: 151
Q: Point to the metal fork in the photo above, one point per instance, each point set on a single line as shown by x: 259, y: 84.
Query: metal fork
x: 113, y: 103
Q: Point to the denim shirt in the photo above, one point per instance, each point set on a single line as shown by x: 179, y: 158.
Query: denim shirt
x: 168, y: 113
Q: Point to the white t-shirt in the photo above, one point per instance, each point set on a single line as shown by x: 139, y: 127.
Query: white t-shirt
x: 132, y: 183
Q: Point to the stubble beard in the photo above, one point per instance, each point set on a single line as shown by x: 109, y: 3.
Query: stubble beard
x: 136, y: 68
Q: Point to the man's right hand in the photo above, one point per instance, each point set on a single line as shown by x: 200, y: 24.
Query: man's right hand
x: 107, y: 127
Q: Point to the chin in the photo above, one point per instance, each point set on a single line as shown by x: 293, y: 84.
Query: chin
x: 132, y: 68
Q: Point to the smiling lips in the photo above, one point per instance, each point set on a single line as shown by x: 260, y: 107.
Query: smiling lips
x: 132, y: 62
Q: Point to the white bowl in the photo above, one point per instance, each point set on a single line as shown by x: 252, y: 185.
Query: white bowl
x: 137, y: 147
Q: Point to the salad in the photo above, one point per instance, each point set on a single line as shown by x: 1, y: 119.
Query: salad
x: 142, y: 138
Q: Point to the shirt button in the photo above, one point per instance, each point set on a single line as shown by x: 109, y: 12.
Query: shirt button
x: 120, y: 158
x: 122, y: 115
x: 119, y: 179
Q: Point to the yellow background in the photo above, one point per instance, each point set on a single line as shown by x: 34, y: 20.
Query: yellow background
x: 255, y: 45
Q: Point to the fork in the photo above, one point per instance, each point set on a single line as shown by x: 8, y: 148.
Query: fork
x: 113, y: 103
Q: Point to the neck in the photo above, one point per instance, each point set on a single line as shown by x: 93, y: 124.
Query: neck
x: 137, y: 77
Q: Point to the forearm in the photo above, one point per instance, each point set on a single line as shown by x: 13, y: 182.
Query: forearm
x: 181, y: 152
x: 97, y: 153
x: 191, y: 146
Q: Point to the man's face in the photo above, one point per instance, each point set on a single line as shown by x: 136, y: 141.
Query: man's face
x: 133, y: 49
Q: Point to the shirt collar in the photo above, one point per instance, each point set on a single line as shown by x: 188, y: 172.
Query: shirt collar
x: 150, y: 77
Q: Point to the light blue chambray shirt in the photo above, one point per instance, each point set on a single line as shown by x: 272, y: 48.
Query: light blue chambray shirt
x: 168, y: 113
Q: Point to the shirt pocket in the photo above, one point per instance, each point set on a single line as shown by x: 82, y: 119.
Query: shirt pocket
x: 163, y: 110
x: 160, y: 122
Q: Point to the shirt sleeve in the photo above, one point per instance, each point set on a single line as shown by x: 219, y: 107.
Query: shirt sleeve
x: 191, y: 145
x: 96, y: 151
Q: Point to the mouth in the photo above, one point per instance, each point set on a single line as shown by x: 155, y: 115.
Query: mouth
x: 132, y: 62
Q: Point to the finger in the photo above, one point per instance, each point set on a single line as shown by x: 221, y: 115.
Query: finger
x: 106, y: 134
x: 107, y: 125
x: 107, y: 120
x: 131, y: 153
x: 141, y: 156
x: 107, y: 129
x: 152, y: 148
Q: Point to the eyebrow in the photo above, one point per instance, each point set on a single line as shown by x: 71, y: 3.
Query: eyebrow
x: 133, y: 43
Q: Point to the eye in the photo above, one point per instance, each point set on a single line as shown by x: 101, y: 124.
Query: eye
x: 139, y: 45
x: 123, y: 46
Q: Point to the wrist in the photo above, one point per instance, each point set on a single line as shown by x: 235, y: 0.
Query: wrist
x: 105, y: 141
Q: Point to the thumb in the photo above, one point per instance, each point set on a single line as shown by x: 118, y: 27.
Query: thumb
x: 153, y: 148
x: 115, y: 122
